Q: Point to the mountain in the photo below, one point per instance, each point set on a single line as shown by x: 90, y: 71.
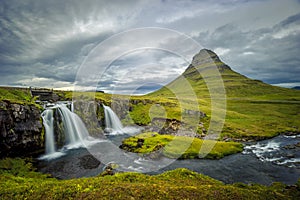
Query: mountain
x: 296, y: 88
x: 255, y: 110
x: 203, y: 68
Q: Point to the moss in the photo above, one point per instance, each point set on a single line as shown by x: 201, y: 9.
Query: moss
x: 18, y: 181
x: 180, y: 146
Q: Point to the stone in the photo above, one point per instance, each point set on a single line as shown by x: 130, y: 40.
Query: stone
x: 89, y: 162
x: 21, y: 129
x: 140, y: 142
x: 110, y: 169
x: 290, y: 156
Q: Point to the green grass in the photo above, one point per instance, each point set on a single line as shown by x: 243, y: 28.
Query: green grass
x: 259, y: 120
x: 255, y: 110
x: 181, y: 147
x: 18, y: 181
x: 16, y: 95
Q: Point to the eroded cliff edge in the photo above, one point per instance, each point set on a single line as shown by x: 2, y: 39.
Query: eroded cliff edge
x: 21, y: 129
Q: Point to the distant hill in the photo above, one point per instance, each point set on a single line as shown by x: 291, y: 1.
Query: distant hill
x: 296, y: 88
x: 236, y: 85
x: 254, y: 109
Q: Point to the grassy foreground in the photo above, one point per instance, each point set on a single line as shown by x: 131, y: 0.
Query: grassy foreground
x: 18, y: 181
x: 180, y: 146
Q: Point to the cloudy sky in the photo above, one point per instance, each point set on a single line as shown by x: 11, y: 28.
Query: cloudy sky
x: 46, y: 43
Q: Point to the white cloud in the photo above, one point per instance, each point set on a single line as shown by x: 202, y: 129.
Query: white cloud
x: 221, y: 51
x: 247, y: 53
x: 287, y: 85
x: 293, y: 30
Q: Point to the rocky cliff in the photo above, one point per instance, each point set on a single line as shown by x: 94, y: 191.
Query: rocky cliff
x: 21, y: 130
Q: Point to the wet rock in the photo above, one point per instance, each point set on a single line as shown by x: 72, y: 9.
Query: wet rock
x: 291, y: 133
x: 157, y: 152
x: 290, y: 146
x: 89, y: 162
x: 165, y: 126
x: 290, y: 156
x: 140, y: 142
x: 110, y: 169
x: 21, y: 129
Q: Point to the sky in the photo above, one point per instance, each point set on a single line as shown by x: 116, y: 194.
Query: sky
x: 48, y: 43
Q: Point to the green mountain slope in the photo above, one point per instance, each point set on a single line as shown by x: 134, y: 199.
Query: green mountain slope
x: 255, y: 110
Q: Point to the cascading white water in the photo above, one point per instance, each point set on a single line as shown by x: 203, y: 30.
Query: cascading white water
x: 112, y: 122
x: 47, y: 116
x: 74, y: 130
x: 72, y: 106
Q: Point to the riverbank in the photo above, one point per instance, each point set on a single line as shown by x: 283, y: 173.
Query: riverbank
x: 245, y: 167
x: 18, y: 181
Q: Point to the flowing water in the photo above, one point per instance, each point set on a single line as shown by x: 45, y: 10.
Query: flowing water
x: 75, y: 132
x: 47, y: 116
x: 113, y: 125
x: 263, y: 162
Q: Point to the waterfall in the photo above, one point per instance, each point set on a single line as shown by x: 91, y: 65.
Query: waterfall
x: 47, y: 116
x: 112, y: 122
x: 75, y: 131
x: 72, y: 106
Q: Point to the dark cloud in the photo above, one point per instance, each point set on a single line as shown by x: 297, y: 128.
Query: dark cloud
x: 141, y: 70
x: 268, y: 54
x: 45, y: 42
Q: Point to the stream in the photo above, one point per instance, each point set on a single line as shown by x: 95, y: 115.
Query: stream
x: 263, y: 162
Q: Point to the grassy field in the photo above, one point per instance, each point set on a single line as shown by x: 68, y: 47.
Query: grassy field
x: 16, y: 95
x: 180, y: 146
x: 19, y: 181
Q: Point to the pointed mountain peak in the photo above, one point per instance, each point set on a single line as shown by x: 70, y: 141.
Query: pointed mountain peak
x: 207, y: 58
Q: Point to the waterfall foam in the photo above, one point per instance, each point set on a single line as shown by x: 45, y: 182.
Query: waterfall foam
x: 76, y: 134
x: 113, y: 124
x: 47, y: 116
x: 75, y: 130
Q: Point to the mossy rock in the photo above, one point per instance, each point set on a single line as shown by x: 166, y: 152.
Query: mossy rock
x: 180, y: 146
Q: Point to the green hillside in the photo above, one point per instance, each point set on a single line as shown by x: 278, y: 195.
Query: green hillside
x: 255, y: 110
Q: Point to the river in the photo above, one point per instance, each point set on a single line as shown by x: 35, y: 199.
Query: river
x: 264, y: 162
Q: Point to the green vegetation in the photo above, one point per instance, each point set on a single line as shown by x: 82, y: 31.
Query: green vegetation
x: 16, y: 95
x: 180, y: 146
x: 255, y: 110
x: 19, y: 181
